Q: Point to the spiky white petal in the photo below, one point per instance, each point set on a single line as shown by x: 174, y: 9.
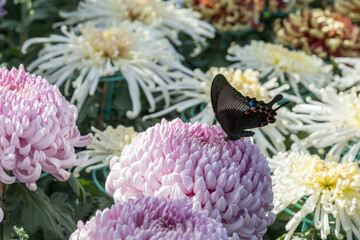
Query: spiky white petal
x: 105, y: 145
x: 350, y: 73
x: 146, y: 61
x: 168, y: 17
x: 333, y: 122
x: 276, y: 61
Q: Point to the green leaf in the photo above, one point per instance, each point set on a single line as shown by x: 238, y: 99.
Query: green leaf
x: 104, y: 202
x: 90, y: 187
x: 122, y: 100
x: 64, y: 210
x: 11, y: 25
x: 39, y: 213
x: 275, y: 230
x: 77, y: 187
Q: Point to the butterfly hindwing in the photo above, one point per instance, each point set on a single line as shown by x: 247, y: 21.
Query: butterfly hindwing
x: 254, y: 102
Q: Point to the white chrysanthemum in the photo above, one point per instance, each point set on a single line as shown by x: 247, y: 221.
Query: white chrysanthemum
x: 166, y: 16
x: 332, y: 122
x: 194, y: 91
x: 143, y: 60
x: 282, y: 63
x: 350, y: 69
x: 105, y: 145
x: 332, y: 192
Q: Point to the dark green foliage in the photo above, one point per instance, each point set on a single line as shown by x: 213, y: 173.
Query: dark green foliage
x: 40, y: 215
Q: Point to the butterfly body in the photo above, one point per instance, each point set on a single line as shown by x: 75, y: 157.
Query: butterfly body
x: 236, y: 113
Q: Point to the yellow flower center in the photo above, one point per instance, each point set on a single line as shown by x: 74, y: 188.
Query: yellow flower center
x: 145, y: 11
x: 341, y: 180
x: 286, y: 60
x: 246, y: 82
x: 110, y: 43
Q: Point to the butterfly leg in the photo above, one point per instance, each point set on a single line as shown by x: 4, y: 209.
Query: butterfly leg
x: 242, y: 134
x: 246, y: 134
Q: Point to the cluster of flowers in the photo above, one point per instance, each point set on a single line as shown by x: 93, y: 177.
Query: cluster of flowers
x: 182, y: 179
x: 230, y: 181
x: 195, y: 183
x: 324, y: 33
x: 329, y: 182
x: 241, y: 15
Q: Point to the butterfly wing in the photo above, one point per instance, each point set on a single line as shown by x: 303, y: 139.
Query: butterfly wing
x: 220, y: 84
x: 228, y: 103
x: 236, y: 113
x: 217, y: 86
x: 260, y: 115
x: 254, y: 102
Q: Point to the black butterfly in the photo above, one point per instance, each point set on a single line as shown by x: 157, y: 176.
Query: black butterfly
x: 235, y: 113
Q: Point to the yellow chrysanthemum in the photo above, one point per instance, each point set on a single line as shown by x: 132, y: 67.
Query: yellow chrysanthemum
x: 105, y: 145
x: 332, y: 190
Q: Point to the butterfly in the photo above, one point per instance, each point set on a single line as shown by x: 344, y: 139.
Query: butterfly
x: 236, y: 113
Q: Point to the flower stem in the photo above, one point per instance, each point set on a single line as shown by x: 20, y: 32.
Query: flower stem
x: 103, y: 105
x: 23, y: 34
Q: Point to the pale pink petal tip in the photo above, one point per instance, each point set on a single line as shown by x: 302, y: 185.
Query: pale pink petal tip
x: 38, y: 129
x: 229, y: 179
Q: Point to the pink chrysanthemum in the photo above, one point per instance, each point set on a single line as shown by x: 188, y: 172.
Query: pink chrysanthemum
x: 38, y: 129
x: 229, y: 179
x: 150, y: 218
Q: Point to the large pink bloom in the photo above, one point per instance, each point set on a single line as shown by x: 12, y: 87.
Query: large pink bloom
x: 38, y: 129
x: 229, y: 179
x: 150, y: 218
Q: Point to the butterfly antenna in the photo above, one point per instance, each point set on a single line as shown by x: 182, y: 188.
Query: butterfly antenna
x: 275, y: 100
x: 281, y: 106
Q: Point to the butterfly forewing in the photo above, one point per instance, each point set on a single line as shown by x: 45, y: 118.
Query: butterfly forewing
x: 217, y: 86
x: 228, y: 104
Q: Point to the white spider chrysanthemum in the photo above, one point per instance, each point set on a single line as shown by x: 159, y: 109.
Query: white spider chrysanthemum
x: 166, y: 16
x: 143, y: 60
x: 332, y: 122
x: 105, y: 145
x: 329, y: 189
x: 194, y: 91
x: 279, y: 62
x: 350, y: 70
